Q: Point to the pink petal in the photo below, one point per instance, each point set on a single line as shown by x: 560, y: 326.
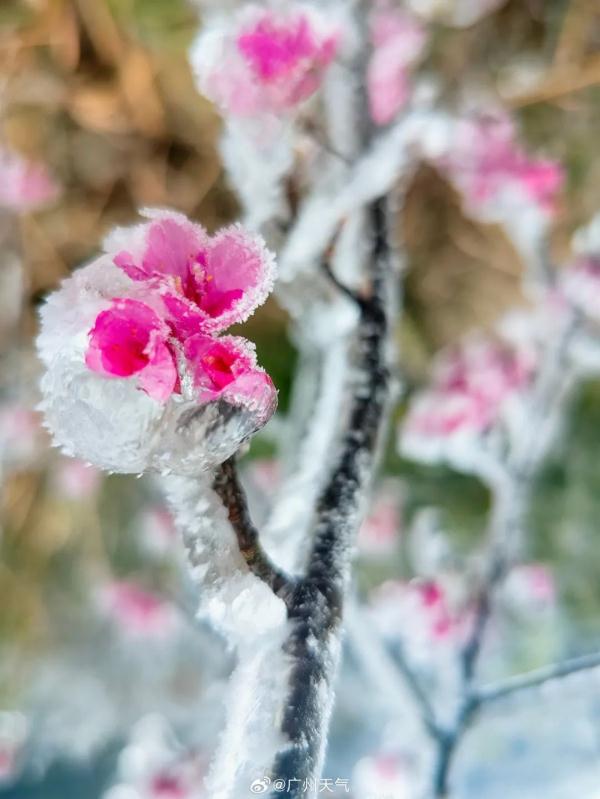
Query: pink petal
x: 172, y: 246
x: 216, y: 363
x: 159, y: 379
x: 130, y: 339
x: 238, y: 277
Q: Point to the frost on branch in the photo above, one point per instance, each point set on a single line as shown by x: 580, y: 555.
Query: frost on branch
x: 136, y: 376
x: 264, y: 61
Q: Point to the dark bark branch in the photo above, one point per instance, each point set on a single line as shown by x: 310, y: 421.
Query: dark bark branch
x: 535, y: 679
x: 228, y: 488
x: 316, y: 606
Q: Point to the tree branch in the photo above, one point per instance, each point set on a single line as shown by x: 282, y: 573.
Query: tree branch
x: 228, y: 487
x: 316, y: 605
x: 535, y: 679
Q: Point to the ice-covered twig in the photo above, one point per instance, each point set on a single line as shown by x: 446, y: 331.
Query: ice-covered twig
x: 317, y: 602
x: 229, y: 489
x: 535, y: 679
x: 554, y: 381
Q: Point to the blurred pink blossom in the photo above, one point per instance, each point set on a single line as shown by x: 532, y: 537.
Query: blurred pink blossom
x: 469, y: 388
x: 419, y: 612
x: 21, y: 436
x: 383, y: 774
x: 378, y: 534
x: 24, y: 185
x: 267, y: 61
x: 157, y: 530
x: 398, y: 40
x: 490, y: 167
x: 136, y: 610
x: 76, y: 480
x: 531, y: 585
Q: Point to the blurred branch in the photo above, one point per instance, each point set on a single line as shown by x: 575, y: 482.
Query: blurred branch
x: 316, y: 606
x: 536, y: 679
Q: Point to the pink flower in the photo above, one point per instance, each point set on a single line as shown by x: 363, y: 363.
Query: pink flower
x: 489, y: 166
x: 24, y: 186
x: 420, y: 612
x: 137, y: 610
x: 398, y: 40
x: 268, y: 62
x: 469, y: 389
x: 129, y: 340
x: 226, y: 368
x: 206, y: 283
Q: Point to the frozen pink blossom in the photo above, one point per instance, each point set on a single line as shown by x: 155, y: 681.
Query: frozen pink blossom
x: 268, y: 61
x: 155, y: 765
x: 489, y: 167
x: 129, y: 340
x: 226, y: 367
x: 398, y: 40
x: 469, y: 388
x: 206, y: 283
x: 24, y: 185
x: 136, y: 610
x: 135, y: 375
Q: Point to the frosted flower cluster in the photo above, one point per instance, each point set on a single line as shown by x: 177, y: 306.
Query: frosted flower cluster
x: 153, y: 765
x: 494, y: 173
x: 136, y: 374
x: 471, y: 390
x: 264, y: 60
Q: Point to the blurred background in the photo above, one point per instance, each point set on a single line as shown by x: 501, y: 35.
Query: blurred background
x: 96, y: 633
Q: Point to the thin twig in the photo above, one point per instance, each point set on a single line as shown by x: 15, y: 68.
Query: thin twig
x: 228, y: 487
x: 536, y: 679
